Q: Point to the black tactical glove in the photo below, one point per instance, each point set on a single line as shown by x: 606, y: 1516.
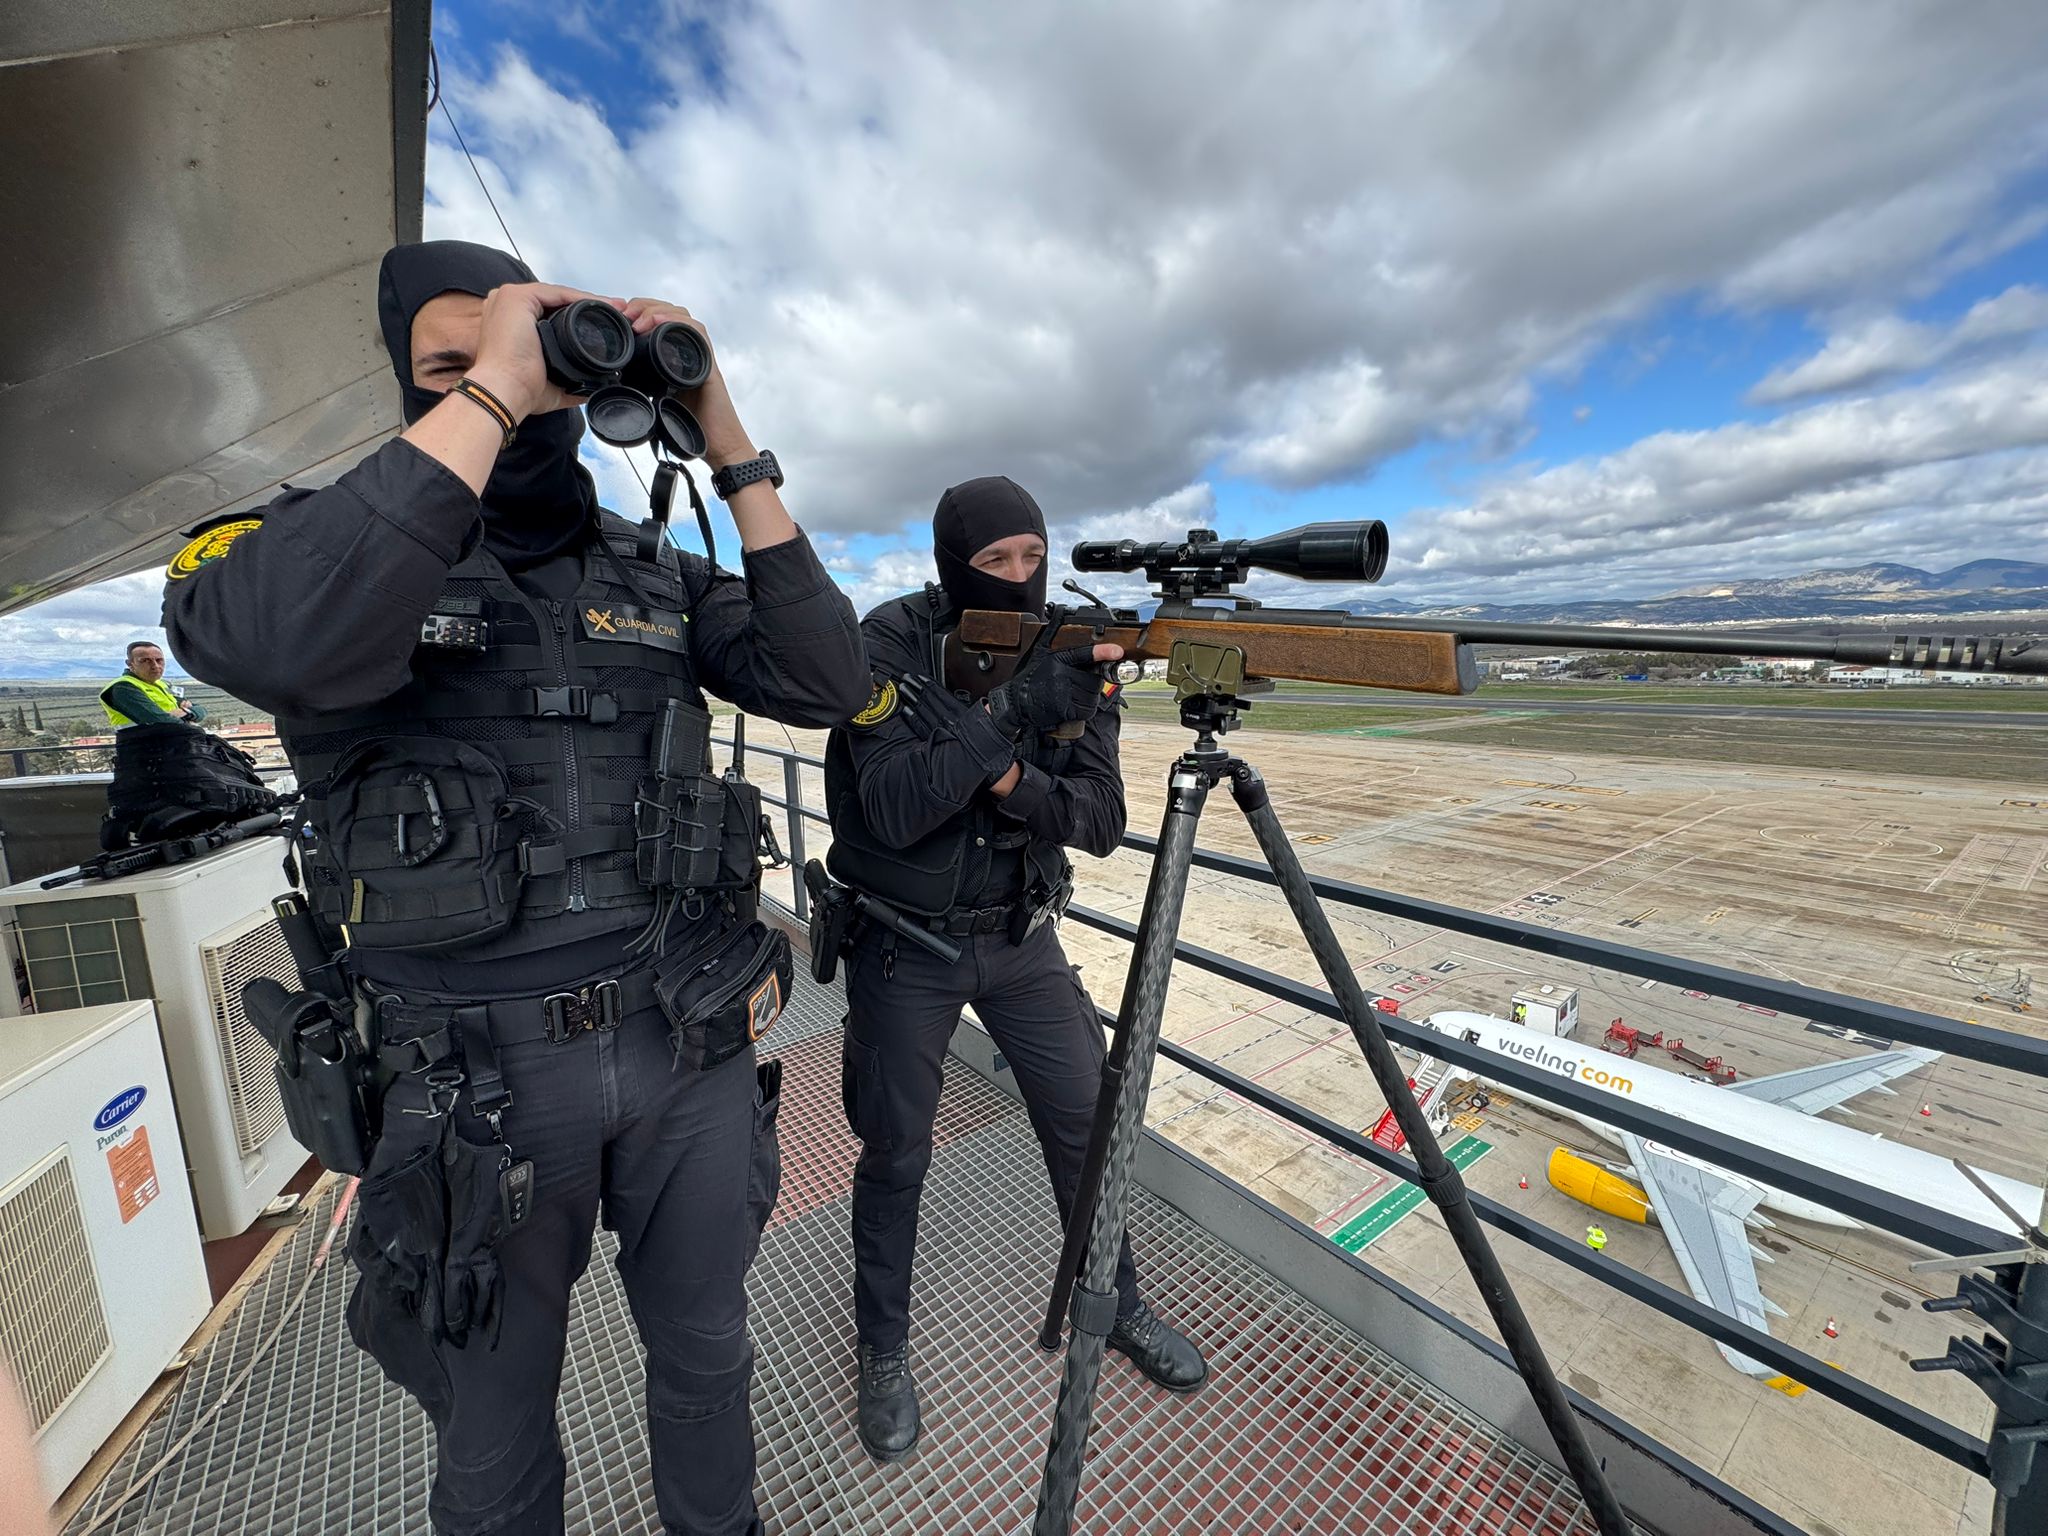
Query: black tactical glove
x: 1052, y: 689
x: 933, y: 710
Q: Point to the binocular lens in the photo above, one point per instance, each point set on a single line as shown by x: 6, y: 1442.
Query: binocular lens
x: 585, y: 344
x: 620, y: 415
x: 677, y: 354
x: 679, y: 430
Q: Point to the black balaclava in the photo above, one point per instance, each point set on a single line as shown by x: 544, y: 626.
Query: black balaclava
x: 539, y: 500
x: 970, y: 517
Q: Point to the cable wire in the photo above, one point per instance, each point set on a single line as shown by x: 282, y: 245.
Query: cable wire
x: 441, y: 101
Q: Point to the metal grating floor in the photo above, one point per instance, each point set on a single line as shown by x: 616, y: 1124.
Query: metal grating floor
x: 1304, y: 1427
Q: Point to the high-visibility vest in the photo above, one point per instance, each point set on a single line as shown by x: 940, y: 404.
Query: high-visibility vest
x: 1596, y: 1238
x: 159, y: 695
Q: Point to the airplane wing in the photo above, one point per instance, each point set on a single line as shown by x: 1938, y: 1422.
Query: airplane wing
x: 1701, y: 1215
x: 1829, y: 1083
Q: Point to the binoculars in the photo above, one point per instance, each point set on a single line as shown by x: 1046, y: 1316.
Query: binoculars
x: 630, y: 383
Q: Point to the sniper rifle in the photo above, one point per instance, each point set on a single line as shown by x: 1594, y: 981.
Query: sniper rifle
x: 1195, y: 578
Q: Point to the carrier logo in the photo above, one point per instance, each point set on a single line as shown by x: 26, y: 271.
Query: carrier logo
x: 119, y: 1108
x: 1565, y: 1066
x: 645, y: 625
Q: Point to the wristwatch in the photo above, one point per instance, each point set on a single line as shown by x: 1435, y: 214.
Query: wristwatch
x: 728, y: 481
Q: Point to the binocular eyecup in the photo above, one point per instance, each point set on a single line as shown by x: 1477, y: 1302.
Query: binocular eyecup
x: 629, y: 381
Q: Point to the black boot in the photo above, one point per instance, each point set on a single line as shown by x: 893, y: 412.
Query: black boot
x: 1166, y: 1355
x: 887, y: 1420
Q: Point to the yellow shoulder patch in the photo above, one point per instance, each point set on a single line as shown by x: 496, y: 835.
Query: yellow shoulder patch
x: 208, y: 547
x: 880, y: 706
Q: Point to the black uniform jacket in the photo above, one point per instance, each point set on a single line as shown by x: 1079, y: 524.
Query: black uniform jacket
x: 318, y: 610
x: 909, y: 787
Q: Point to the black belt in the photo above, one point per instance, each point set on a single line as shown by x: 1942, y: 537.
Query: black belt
x: 558, y: 1016
x: 973, y: 920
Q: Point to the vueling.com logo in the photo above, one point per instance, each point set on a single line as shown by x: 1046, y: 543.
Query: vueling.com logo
x: 1566, y: 1066
x: 609, y: 621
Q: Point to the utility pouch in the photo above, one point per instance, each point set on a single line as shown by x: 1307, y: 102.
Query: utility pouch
x: 721, y: 999
x: 427, y: 1230
x: 679, y: 813
x: 739, y: 848
x: 323, y: 1072
x: 419, y: 829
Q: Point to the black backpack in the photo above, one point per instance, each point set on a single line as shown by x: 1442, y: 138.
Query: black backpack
x: 172, y: 779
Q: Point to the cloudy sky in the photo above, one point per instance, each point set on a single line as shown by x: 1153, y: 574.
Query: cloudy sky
x: 1581, y: 300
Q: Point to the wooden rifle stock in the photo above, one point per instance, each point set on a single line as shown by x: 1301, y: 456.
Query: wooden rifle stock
x: 1277, y: 644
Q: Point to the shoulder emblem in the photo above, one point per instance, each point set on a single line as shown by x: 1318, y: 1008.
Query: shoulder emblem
x: 208, y: 547
x: 880, y: 706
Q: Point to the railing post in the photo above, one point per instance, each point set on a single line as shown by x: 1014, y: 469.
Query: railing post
x: 793, y: 807
x: 19, y: 755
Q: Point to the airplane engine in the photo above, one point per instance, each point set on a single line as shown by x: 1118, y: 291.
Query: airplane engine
x: 1590, y: 1184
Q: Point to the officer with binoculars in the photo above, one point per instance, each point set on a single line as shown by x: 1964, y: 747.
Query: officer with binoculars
x: 537, y: 903
x: 956, y: 815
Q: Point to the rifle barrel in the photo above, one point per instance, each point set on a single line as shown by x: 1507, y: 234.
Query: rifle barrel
x: 2024, y: 655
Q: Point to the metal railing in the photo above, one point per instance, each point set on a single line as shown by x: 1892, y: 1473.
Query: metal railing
x: 1933, y: 1228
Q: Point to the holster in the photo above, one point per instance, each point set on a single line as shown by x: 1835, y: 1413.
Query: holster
x: 1040, y: 903
x: 323, y: 1072
x: 831, y: 918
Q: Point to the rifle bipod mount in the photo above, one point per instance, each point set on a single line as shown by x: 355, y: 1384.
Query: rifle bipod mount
x: 1207, y: 680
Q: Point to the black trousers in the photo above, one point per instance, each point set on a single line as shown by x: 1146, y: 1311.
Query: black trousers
x: 897, y: 1029
x: 683, y: 1166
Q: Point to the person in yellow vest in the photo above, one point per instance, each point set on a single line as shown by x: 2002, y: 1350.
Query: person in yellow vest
x: 140, y: 694
x: 1596, y: 1238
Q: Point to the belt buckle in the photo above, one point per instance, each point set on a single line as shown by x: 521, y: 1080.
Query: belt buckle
x: 568, y: 1014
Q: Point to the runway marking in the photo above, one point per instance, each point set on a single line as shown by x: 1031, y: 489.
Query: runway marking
x: 1637, y: 920
x: 1556, y: 805
x: 1380, y: 1218
x: 1717, y: 914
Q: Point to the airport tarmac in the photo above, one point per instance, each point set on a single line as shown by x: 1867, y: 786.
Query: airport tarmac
x: 1913, y: 889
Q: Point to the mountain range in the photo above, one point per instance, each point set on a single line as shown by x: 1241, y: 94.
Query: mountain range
x: 1874, y: 594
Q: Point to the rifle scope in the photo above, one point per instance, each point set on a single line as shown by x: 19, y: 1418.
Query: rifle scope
x: 1354, y: 551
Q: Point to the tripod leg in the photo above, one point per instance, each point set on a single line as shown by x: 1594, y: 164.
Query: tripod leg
x: 1085, y: 1191
x: 1440, y: 1180
x: 1144, y: 1006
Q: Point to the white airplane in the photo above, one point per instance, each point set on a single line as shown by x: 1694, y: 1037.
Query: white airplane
x: 1704, y: 1211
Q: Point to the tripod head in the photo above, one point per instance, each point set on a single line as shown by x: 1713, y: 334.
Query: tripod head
x: 1210, y: 685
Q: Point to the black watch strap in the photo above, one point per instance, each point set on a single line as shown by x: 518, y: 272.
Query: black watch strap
x: 729, y: 480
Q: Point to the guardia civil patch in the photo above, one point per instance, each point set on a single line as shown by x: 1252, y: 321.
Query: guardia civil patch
x: 208, y: 547
x: 880, y: 706
x: 641, y: 626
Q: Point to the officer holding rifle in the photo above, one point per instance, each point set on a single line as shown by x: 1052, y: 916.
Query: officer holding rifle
x: 536, y: 900
x: 955, y: 814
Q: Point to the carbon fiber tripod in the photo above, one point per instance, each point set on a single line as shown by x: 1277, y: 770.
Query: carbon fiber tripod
x: 1208, y: 681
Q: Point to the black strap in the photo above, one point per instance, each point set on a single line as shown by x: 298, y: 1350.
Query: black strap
x: 488, y: 1094
x: 1094, y: 1312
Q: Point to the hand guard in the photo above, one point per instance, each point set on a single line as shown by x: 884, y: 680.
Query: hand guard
x: 1051, y: 690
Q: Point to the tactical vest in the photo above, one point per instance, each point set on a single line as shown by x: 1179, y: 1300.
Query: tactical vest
x: 157, y: 693
x: 930, y: 876
x: 501, y: 783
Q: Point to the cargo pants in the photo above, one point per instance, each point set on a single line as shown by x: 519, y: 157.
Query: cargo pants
x: 897, y: 1029
x: 684, y: 1167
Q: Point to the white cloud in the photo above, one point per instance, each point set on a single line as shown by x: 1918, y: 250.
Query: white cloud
x: 1106, y: 248
x: 1885, y: 346
x: 1941, y: 472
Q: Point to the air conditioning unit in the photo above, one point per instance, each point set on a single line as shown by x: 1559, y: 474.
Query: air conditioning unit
x: 101, y: 1276
x: 187, y: 936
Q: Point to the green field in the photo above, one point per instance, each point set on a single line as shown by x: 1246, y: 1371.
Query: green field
x: 1794, y: 696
